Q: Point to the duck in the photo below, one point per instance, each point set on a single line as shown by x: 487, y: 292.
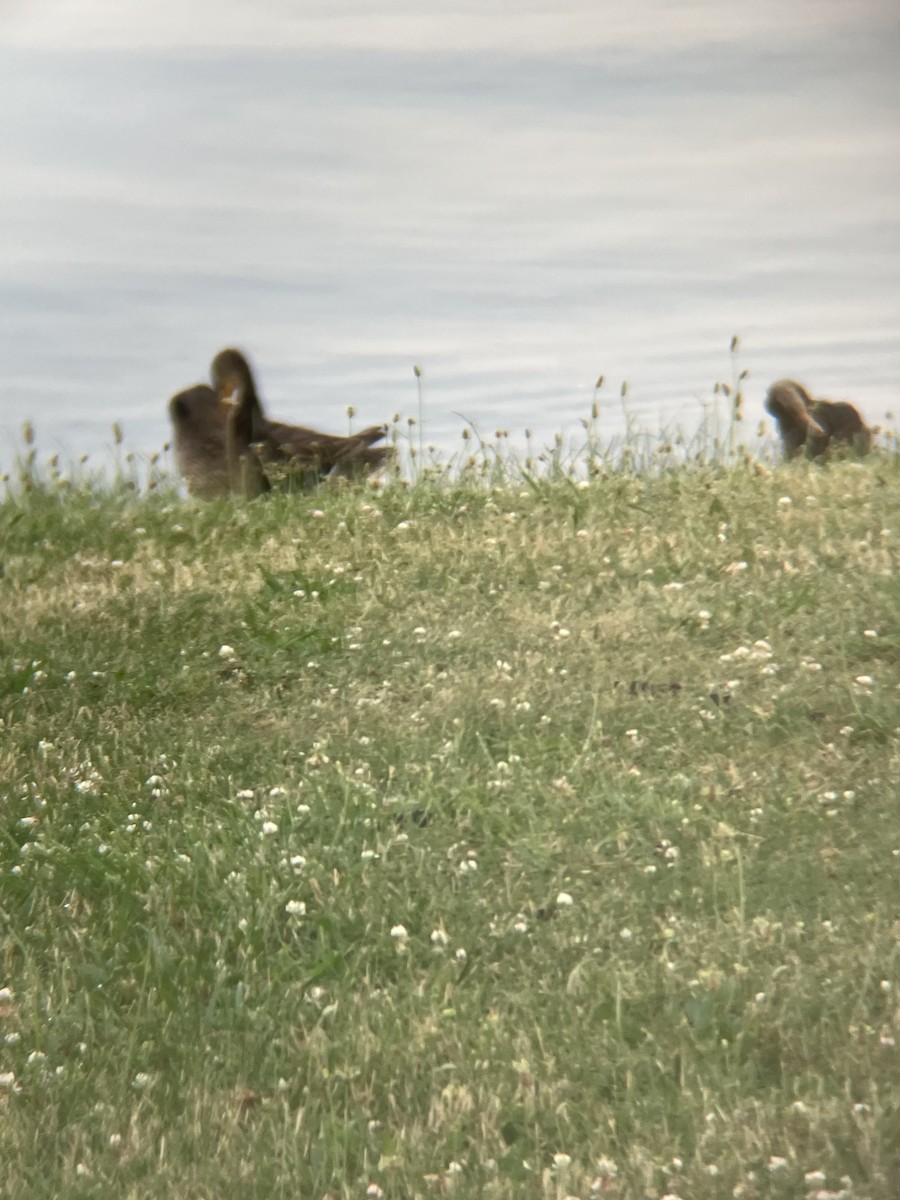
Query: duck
x: 304, y: 453
x: 200, y: 421
x: 807, y: 423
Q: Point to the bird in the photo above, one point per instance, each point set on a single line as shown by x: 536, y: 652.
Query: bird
x: 804, y: 422
x: 301, y: 452
x: 200, y: 422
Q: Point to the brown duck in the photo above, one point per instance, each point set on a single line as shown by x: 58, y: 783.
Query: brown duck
x: 814, y: 424
x: 200, y: 421
x: 255, y: 443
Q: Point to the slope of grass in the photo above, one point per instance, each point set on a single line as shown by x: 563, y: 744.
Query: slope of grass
x: 530, y: 841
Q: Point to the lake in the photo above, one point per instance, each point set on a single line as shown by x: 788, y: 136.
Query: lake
x: 517, y: 198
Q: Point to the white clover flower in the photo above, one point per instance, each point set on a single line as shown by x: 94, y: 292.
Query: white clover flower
x: 269, y: 828
x: 8, y: 1081
x: 399, y: 933
x: 865, y: 681
x: 777, y: 1163
x: 295, y: 908
x: 607, y: 1168
x: 561, y: 1161
x: 870, y: 633
x: 439, y: 938
x: 374, y: 1191
x: 226, y: 651
x: 368, y: 855
x: 454, y: 634
x: 626, y: 935
x: 140, y: 1081
x: 28, y: 822
x: 461, y: 955
x: 564, y: 900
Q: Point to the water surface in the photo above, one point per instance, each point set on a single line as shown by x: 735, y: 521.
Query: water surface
x: 518, y: 198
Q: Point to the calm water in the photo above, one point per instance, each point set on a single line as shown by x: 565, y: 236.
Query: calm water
x: 516, y: 197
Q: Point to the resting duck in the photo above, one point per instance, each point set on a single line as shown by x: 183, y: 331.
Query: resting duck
x: 253, y: 438
x: 200, y: 421
x: 814, y: 424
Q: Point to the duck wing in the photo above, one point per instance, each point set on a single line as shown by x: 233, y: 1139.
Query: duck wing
x: 323, y: 452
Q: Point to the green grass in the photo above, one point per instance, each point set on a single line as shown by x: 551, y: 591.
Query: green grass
x: 606, y: 751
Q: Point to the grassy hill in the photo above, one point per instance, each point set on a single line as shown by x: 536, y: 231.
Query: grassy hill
x: 529, y: 840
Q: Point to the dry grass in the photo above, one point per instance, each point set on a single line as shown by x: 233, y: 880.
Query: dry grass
x: 618, y: 757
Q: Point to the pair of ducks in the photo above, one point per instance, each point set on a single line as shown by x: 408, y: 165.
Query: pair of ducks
x: 224, y: 443
x: 806, y: 423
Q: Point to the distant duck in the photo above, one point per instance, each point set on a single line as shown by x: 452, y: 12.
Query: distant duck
x: 256, y: 444
x: 804, y: 422
x: 200, y: 421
